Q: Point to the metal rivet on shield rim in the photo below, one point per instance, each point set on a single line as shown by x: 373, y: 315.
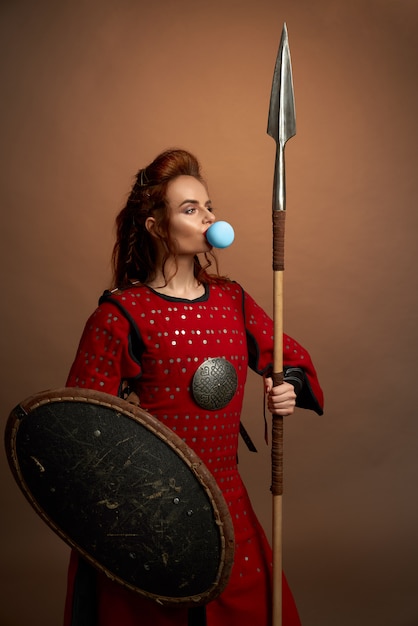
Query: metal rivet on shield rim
x: 176, y: 500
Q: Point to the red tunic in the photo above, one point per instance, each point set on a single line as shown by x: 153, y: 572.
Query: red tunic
x: 157, y: 343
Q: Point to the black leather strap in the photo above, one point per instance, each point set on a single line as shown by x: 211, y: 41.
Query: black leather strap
x: 197, y: 616
x: 84, y: 596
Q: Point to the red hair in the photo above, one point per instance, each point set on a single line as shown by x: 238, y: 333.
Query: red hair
x: 135, y: 253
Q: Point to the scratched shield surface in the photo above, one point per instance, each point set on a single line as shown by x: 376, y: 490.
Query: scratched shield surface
x: 126, y: 493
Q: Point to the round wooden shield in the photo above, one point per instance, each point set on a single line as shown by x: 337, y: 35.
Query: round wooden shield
x: 125, y: 492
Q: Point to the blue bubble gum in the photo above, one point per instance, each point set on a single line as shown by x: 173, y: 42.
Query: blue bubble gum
x: 220, y: 234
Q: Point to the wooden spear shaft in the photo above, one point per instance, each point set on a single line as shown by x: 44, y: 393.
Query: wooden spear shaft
x: 278, y: 276
x: 277, y: 427
x: 281, y: 126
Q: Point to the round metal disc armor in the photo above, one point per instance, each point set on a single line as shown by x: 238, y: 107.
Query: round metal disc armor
x: 214, y: 383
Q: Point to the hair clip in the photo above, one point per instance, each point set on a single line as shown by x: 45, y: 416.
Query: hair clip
x: 143, y: 178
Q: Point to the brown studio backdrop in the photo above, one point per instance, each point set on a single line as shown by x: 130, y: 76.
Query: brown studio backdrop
x: 91, y: 92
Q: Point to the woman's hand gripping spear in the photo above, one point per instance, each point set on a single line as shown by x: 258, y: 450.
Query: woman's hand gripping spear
x: 281, y: 126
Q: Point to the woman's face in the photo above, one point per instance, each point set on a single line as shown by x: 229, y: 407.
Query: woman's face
x: 190, y: 215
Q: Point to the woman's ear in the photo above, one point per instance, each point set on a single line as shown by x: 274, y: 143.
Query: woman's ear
x: 151, y: 226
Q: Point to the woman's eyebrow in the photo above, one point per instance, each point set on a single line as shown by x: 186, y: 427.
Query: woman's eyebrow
x: 189, y: 201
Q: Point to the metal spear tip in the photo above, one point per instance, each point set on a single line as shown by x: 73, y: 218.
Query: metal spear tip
x: 282, y: 116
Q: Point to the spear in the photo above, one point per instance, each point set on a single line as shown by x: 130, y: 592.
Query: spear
x: 281, y: 126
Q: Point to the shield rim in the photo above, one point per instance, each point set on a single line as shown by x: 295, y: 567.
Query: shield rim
x: 188, y: 456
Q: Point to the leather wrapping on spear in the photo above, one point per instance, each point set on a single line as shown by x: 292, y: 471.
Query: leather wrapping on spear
x: 279, y: 218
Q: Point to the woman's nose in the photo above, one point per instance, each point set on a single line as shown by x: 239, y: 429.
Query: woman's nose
x: 209, y: 216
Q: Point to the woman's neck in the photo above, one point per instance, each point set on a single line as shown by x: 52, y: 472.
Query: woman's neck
x: 178, y: 284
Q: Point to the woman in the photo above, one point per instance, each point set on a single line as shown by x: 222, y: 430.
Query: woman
x: 167, y: 316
